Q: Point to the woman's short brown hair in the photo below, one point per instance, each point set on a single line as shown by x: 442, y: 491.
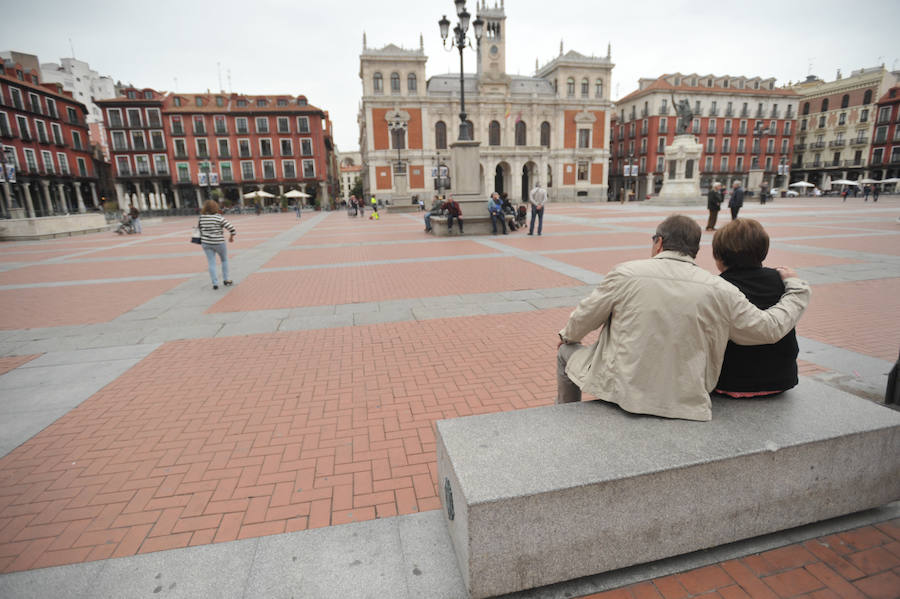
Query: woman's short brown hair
x: 210, y: 207
x: 742, y: 242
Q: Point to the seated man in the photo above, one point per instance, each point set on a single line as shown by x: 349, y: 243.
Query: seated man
x: 495, y: 209
x: 436, y: 208
x: 753, y: 370
x: 664, y: 324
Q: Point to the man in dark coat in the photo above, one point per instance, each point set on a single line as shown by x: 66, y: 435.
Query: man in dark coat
x: 713, y: 204
x: 737, y: 199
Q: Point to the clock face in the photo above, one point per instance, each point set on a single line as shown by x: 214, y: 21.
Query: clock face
x: 494, y: 50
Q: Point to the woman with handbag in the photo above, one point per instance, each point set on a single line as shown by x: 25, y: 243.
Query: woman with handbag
x: 212, y: 239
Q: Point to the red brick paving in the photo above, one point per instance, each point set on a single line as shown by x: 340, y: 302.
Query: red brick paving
x: 75, y: 304
x: 868, y: 322
x: 107, y: 269
x: 380, y: 282
x: 366, y: 253
x: 811, y: 569
x: 296, y: 430
x: 12, y: 362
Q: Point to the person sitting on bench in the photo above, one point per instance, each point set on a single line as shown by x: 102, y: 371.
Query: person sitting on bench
x: 664, y: 324
x: 739, y: 249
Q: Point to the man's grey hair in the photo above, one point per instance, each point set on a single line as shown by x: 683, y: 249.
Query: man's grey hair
x: 680, y: 234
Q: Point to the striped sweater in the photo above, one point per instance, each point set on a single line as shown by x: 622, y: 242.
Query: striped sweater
x: 211, y: 226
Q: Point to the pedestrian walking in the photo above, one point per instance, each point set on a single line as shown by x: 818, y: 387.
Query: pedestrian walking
x: 713, y: 204
x: 212, y: 240
x: 737, y: 199
x: 135, y: 215
x: 537, y: 198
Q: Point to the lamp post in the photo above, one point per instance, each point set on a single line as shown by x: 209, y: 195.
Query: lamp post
x: 460, y: 40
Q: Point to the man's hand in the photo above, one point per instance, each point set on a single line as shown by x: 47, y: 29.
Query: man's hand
x: 786, y: 272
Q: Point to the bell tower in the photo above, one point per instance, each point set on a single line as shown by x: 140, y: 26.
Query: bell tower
x: 492, y: 47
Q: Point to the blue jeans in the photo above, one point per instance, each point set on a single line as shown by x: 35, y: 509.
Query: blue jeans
x: 539, y: 214
x: 211, y: 251
x: 495, y: 216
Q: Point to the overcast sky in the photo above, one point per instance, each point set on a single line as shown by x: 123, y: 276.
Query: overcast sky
x: 312, y: 47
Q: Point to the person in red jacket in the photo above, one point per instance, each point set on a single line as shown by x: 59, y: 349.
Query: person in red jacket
x: 453, y: 211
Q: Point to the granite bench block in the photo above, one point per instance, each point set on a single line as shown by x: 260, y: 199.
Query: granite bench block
x: 548, y: 494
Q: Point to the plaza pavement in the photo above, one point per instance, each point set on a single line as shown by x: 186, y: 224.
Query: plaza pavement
x: 276, y: 438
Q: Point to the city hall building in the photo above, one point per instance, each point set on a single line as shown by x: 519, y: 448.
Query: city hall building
x: 549, y: 128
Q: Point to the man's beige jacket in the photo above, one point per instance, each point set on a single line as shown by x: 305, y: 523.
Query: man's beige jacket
x: 665, y: 323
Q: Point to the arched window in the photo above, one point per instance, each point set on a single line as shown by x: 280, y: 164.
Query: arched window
x: 440, y: 135
x: 585, y: 88
x: 377, y: 83
x: 395, y: 83
x: 398, y: 138
x: 570, y: 87
x: 411, y: 82
x: 598, y: 88
x: 545, y: 134
x: 824, y: 105
x: 845, y: 101
x: 521, y: 134
x: 494, y: 134
x: 867, y: 97
x: 806, y: 108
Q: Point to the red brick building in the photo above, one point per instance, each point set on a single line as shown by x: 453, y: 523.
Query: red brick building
x: 742, y: 123
x: 173, y: 150
x: 46, y: 155
x: 885, y: 158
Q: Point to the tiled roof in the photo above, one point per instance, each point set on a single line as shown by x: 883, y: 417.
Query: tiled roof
x: 662, y: 84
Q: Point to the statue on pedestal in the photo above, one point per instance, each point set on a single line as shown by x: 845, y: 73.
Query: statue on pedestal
x: 685, y: 116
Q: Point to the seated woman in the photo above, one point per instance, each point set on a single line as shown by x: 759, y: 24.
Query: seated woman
x: 739, y: 249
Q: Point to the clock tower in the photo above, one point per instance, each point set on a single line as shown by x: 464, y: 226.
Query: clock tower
x: 492, y: 47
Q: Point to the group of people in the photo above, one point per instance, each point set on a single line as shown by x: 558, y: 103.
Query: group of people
x: 672, y: 333
x: 500, y: 209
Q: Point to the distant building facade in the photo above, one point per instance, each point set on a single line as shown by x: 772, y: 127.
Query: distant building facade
x: 350, y: 165
x: 550, y: 128
x: 884, y: 162
x: 46, y: 155
x: 835, y: 132
x: 173, y: 150
x: 86, y: 86
x: 743, y: 124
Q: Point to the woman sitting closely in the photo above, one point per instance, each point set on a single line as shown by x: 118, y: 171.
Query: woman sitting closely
x: 739, y: 249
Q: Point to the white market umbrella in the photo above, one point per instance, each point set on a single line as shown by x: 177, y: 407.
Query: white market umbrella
x: 801, y: 184
x: 297, y: 194
x: 844, y: 182
x: 257, y: 194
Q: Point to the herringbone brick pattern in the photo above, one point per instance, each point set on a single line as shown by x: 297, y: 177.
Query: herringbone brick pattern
x: 248, y: 436
x: 862, y: 564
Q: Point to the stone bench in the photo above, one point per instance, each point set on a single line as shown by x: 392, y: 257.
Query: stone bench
x: 538, y: 496
x: 472, y: 225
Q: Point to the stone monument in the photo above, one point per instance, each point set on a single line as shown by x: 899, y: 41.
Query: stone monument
x: 681, y: 180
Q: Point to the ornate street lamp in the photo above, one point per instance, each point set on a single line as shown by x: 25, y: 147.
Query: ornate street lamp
x: 460, y: 40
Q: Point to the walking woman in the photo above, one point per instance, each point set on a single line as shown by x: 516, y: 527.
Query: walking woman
x: 212, y: 240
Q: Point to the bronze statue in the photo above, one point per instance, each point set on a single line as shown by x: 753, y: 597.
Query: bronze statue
x: 685, y: 115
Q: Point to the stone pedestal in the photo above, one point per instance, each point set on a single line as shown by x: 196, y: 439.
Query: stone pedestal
x: 681, y: 182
